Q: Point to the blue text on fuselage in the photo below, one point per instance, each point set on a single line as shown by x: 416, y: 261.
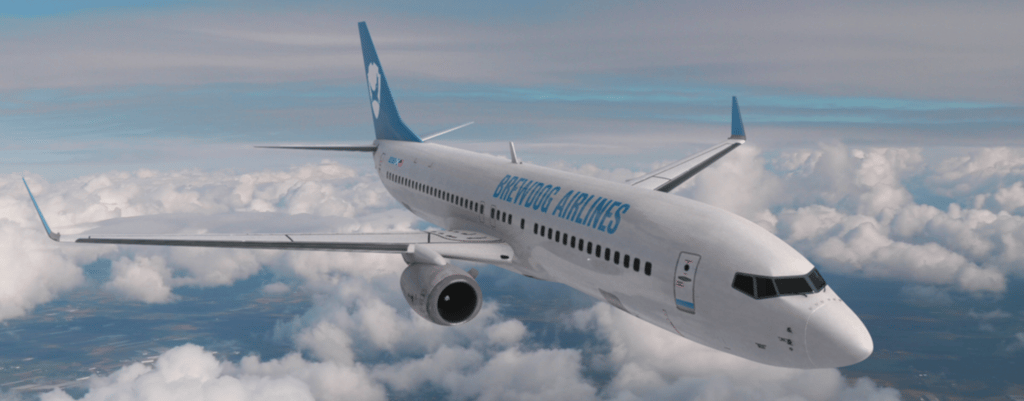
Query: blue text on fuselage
x: 596, y: 212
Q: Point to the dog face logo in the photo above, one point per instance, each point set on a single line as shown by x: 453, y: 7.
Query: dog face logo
x: 373, y: 81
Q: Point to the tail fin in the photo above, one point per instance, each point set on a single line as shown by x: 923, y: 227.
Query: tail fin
x: 386, y: 121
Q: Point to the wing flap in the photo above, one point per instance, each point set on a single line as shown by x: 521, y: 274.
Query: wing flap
x: 452, y: 244
x: 461, y: 245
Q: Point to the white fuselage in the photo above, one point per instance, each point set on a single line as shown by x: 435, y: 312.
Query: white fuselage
x: 691, y: 250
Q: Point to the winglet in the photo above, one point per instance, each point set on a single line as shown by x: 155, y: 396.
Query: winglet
x: 737, y: 122
x: 54, y: 236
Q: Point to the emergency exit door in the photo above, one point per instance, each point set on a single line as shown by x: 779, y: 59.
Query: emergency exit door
x: 685, y: 279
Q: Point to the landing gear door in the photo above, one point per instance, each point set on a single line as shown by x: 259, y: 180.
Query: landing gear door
x: 685, y: 279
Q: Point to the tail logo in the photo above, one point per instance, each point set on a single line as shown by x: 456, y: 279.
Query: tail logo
x: 373, y: 80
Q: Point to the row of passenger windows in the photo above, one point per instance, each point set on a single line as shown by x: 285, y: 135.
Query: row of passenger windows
x: 438, y: 193
x: 589, y: 247
x: 504, y: 217
x: 769, y: 287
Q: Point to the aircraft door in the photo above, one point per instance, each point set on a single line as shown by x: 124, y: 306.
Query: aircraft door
x: 488, y: 215
x: 686, y: 273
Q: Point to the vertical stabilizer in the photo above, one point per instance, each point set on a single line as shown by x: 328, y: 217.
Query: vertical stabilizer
x: 386, y: 122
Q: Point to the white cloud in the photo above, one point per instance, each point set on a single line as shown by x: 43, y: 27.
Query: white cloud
x: 851, y: 210
x: 189, y: 372
x: 276, y: 288
x: 749, y: 190
x: 36, y: 269
x: 1017, y: 344
x: 848, y: 209
x: 509, y: 332
x: 647, y: 362
x: 926, y: 295
x: 142, y: 278
x: 995, y: 314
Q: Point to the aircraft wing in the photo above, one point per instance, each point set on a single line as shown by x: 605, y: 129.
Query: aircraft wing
x: 423, y: 246
x: 676, y: 173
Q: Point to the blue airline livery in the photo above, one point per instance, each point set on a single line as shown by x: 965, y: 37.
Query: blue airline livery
x: 691, y: 268
x: 573, y: 206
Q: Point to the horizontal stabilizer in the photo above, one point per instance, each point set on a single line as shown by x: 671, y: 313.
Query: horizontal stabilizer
x: 439, y: 133
x: 344, y: 148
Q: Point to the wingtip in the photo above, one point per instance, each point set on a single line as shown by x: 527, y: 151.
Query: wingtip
x: 737, y: 121
x: 54, y: 236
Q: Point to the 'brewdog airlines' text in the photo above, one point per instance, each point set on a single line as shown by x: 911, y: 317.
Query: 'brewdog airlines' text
x: 579, y: 207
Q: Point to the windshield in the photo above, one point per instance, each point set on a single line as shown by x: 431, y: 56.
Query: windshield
x: 760, y: 287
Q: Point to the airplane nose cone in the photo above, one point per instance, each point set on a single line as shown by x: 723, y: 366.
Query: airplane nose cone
x: 836, y: 337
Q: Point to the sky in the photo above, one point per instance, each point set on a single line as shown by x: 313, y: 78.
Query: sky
x: 884, y: 144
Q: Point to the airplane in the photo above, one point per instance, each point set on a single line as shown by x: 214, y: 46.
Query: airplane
x: 632, y: 244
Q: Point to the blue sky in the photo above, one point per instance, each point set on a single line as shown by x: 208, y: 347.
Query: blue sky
x: 129, y: 72
x: 885, y: 144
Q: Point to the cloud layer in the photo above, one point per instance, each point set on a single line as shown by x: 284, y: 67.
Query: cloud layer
x: 854, y: 211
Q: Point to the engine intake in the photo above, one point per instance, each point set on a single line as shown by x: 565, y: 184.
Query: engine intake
x: 445, y: 295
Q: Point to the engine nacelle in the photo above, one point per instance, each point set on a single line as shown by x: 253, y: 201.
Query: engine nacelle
x: 445, y: 295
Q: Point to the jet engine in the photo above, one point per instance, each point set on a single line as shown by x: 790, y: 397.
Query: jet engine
x: 445, y: 295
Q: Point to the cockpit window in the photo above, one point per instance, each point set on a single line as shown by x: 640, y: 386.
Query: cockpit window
x: 744, y: 283
x: 793, y: 286
x: 816, y: 280
x: 760, y: 287
x: 765, y: 288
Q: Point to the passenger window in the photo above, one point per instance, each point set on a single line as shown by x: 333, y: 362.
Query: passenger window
x: 565, y: 239
x: 580, y: 244
x: 549, y: 233
x: 616, y: 257
x: 492, y: 212
x: 534, y: 228
x: 522, y: 224
x: 572, y: 242
x: 590, y: 248
x: 743, y: 283
x: 647, y: 268
x: 607, y: 254
x: 636, y: 264
x: 625, y: 261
